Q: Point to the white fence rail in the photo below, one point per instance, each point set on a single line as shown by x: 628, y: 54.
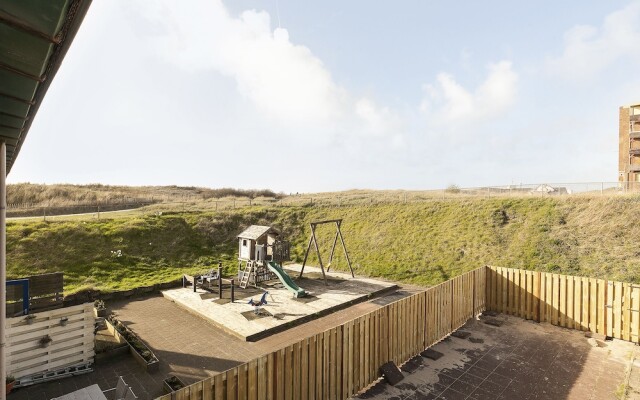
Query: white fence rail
x: 70, y: 329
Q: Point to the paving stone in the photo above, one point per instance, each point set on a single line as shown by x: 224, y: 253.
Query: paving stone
x: 471, y: 379
x: 421, y: 396
x: 391, y: 373
x: 433, y: 389
x: 461, y: 334
x: 493, y: 322
x: 451, y: 394
x: 481, y: 394
x: 462, y: 387
x: 445, y: 380
x: 490, y: 313
x: 479, y: 372
x: 412, y: 365
x: 432, y: 354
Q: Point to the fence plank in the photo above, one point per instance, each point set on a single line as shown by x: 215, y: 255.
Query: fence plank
x: 504, y: 289
x: 311, y: 385
x: 635, y: 314
x: 569, y: 322
x: 252, y: 380
x: 586, y: 305
x: 232, y: 385
x: 601, y: 314
x: 617, y: 317
x: 207, y: 389
x: 577, y: 302
x: 332, y: 367
x: 218, y: 385
x: 288, y: 373
x: 362, y: 337
x: 279, y: 373
x: 523, y: 291
x: 322, y: 374
x: 514, y: 281
x: 626, y: 312
x: 262, y: 385
x: 271, y: 378
x: 242, y: 381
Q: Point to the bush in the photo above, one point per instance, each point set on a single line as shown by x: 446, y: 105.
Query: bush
x: 453, y: 189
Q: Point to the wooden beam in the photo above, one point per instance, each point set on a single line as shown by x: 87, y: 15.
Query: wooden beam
x: 315, y: 241
x: 20, y: 72
x: 325, y: 221
x: 16, y: 23
x: 333, y: 248
x: 12, y: 97
x: 346, y: 254
x: 306, y: 254
x: 20, y: 117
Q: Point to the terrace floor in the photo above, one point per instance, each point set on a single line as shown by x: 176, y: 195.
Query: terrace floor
x: 517, y: 360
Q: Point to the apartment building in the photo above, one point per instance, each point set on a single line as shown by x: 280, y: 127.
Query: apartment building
x: 629, y: 154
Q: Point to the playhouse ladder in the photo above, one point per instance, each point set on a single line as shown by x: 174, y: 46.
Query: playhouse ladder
x: 246, y: 274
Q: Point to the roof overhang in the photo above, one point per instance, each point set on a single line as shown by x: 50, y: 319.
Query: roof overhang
x: 36, y: 36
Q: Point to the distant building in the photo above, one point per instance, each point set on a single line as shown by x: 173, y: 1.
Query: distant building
x: 548, y: 189
x: 629, y: 150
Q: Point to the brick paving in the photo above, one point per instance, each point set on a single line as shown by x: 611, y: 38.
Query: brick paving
x: 518, y: 360
x: 187, y: 346
x: 105, y: 374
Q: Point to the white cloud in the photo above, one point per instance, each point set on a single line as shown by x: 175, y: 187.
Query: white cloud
x: 448, y: 103
x: 589, y: 50
x: 285, y: 81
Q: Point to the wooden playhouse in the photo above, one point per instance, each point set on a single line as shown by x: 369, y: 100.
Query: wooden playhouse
x: 258, y: 245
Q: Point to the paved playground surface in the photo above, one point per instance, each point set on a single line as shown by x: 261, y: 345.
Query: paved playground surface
x: 282, y: 310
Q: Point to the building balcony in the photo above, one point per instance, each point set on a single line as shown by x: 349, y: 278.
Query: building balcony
x: 634, y: 135
x: 634, y: 167
x: 634, y: 152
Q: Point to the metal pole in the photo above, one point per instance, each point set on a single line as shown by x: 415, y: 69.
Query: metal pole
x: 3, y: 263
x: 220, y: 279
x: 233, y: 291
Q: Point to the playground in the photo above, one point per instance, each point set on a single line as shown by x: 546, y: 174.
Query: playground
x: 282, y: 310
x: 265, y: 298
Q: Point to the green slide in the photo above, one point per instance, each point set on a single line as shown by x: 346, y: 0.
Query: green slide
x: 286, y: 279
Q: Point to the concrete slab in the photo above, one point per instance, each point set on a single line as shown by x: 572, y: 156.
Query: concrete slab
x: 284, y: 310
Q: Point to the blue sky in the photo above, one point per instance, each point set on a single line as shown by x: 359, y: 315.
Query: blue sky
x: 319, y: 96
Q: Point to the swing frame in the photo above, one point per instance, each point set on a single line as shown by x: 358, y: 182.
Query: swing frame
x: 314, y: 240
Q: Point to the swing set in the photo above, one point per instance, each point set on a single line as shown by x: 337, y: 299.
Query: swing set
x: 313, y: 240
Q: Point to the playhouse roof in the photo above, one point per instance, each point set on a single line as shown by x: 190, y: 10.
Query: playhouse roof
x: 255, y: 231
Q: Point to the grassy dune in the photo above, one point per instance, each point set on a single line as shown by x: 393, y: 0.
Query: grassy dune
x: 64, y: 194
x: 423, y: 243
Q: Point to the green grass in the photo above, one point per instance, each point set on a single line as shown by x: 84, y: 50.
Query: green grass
x: 422, y: 243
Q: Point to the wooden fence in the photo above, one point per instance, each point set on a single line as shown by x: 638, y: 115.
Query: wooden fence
x: 341, y: 361
x: 45, y: 293
x: 72, y: 341
x: 587, y: 304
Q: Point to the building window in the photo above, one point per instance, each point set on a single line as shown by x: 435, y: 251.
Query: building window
x: 244, y: 242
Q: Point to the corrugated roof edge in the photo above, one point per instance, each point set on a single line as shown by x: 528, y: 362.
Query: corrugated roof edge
x: 75, y: 15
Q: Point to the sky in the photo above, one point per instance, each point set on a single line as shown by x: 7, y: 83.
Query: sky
x: 320, y: 96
